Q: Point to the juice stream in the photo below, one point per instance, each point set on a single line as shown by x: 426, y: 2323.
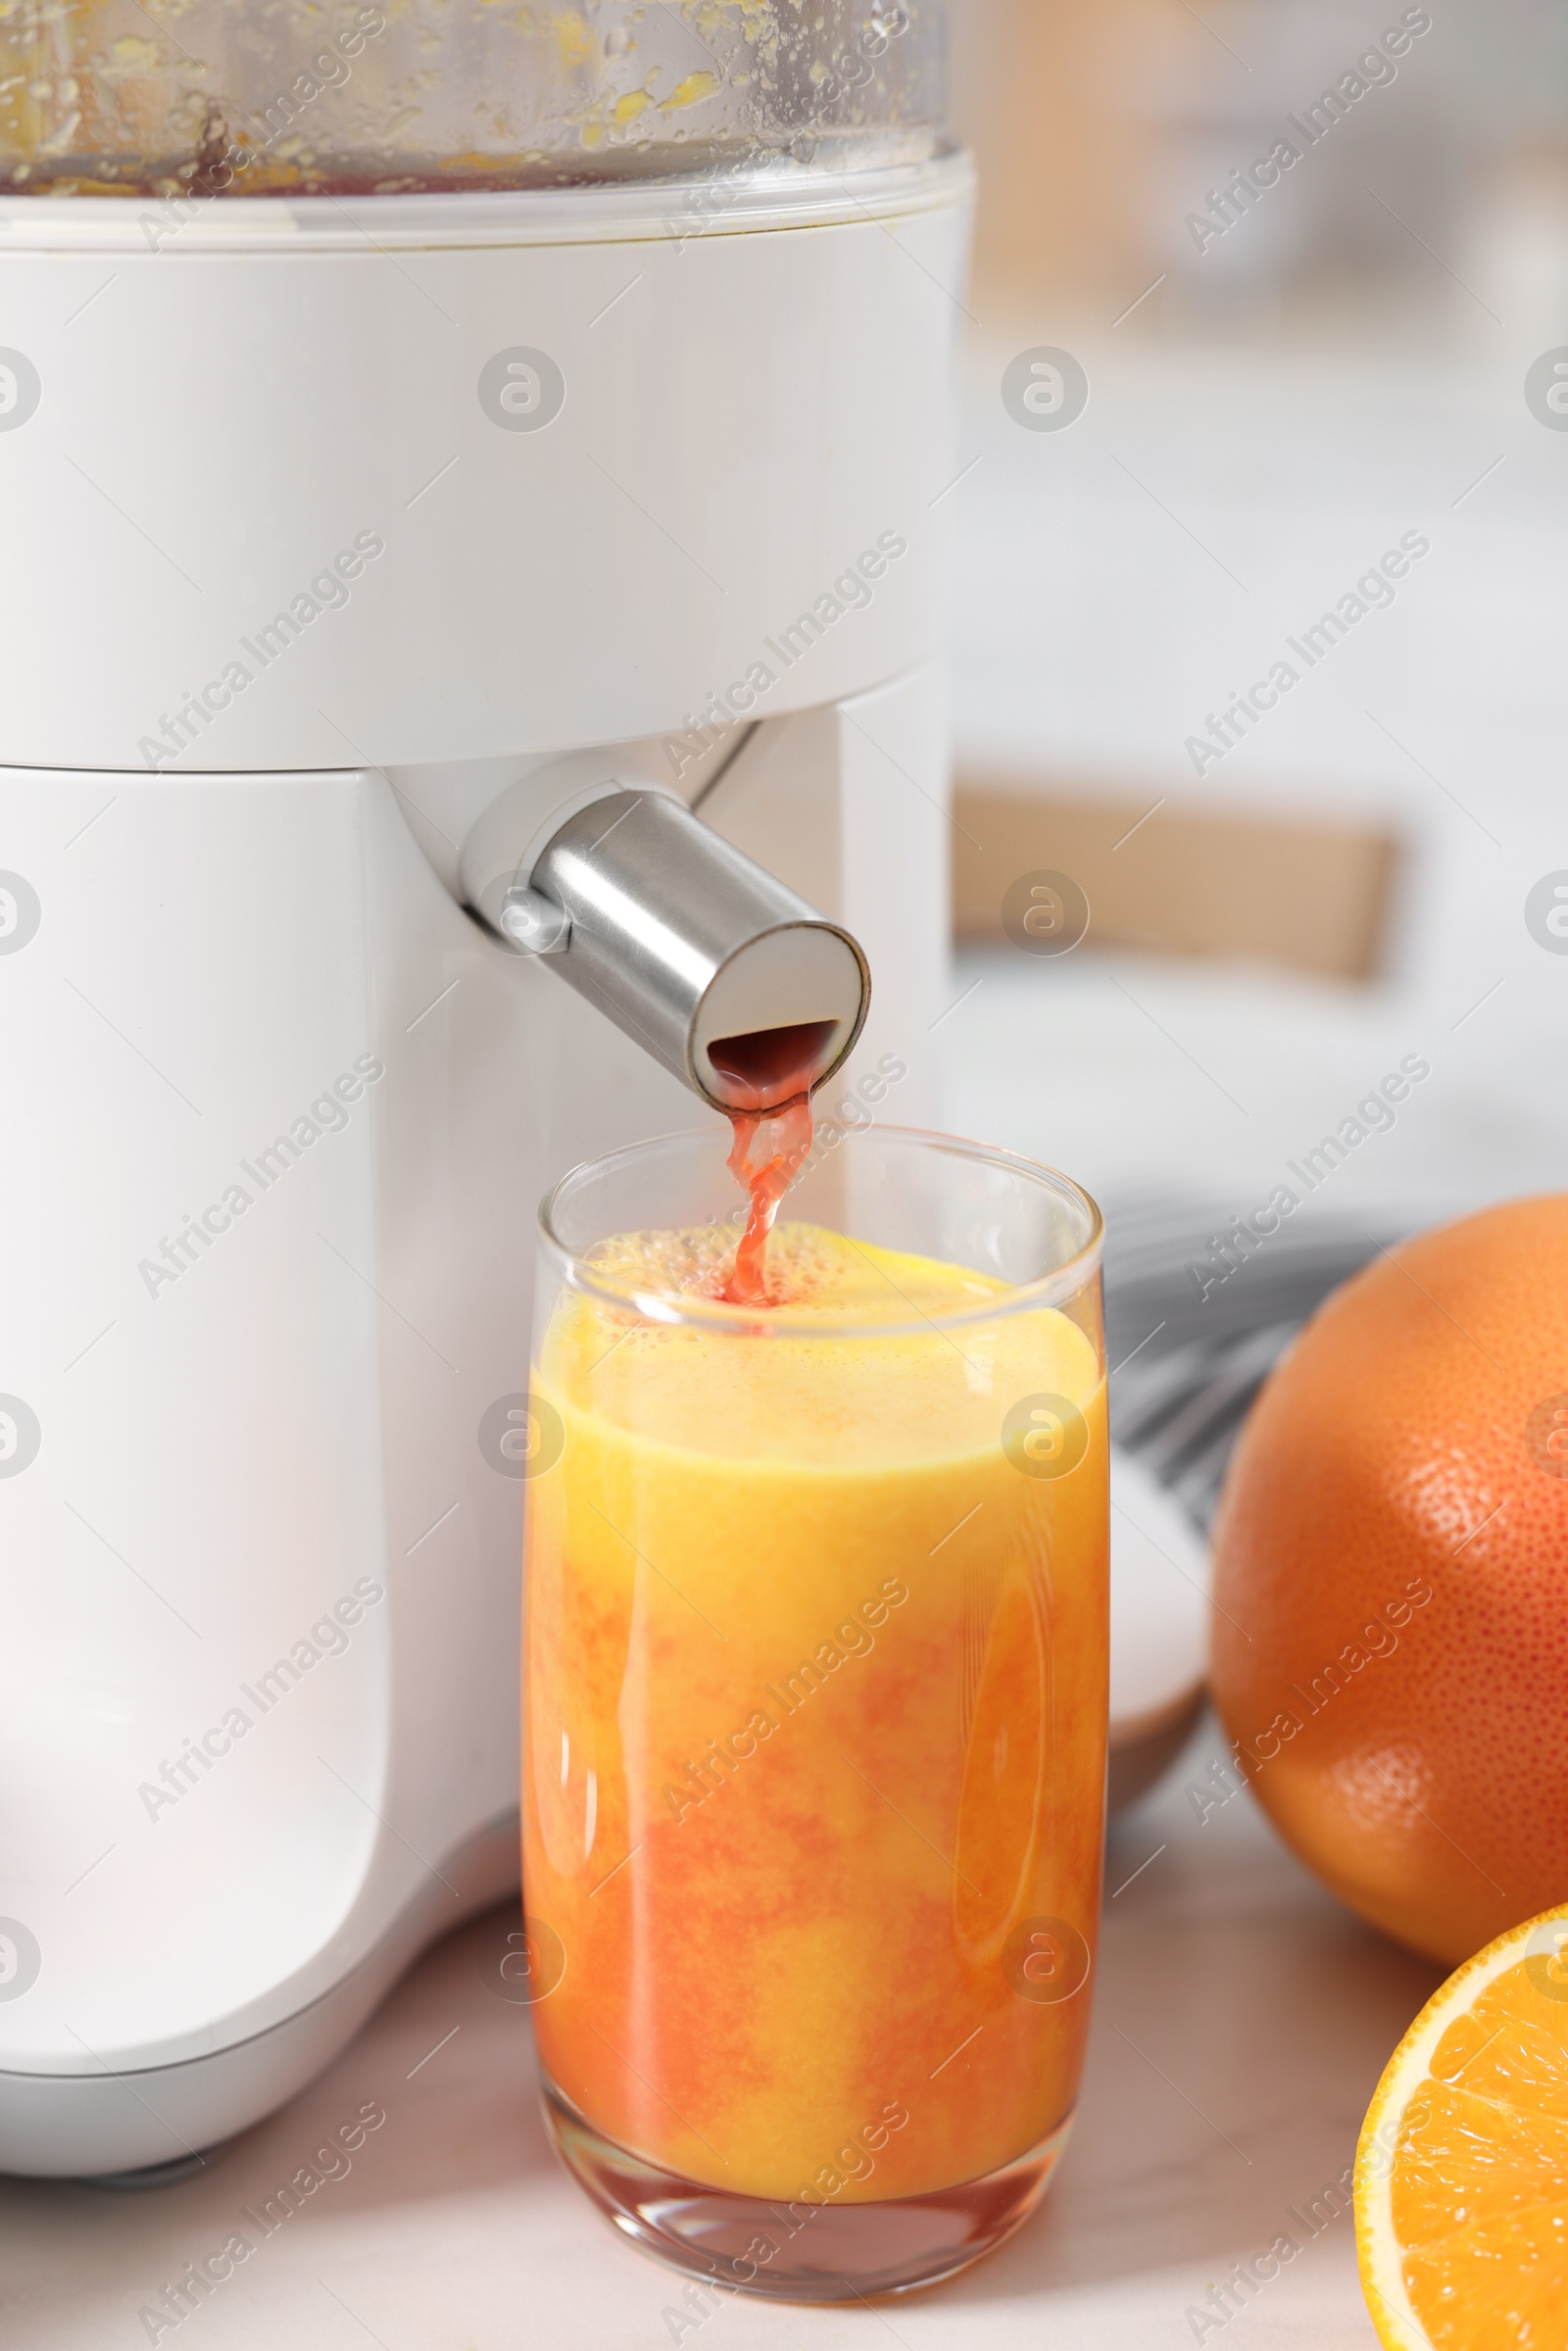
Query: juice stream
x: 766, y: 1173
x: 775, y: 1058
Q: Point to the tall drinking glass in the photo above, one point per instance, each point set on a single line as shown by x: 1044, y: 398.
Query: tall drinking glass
x: 815, y: 1686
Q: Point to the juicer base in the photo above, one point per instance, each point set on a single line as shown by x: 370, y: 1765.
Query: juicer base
x: 800, y: 2252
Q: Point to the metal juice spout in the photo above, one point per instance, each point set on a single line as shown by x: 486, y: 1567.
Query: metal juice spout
x: 725, y: 975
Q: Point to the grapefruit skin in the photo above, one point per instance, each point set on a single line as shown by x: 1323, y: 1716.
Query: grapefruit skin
x: 1391, y: 1556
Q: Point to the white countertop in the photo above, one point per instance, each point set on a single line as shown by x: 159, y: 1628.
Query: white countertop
x: 1241, y: 2023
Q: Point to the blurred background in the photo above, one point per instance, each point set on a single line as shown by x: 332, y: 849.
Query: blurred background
x: 1291, y: 368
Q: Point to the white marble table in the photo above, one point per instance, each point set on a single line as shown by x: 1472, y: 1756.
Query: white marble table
x: 1241, y: 2023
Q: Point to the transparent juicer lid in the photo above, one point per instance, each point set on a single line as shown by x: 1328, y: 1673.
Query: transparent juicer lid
x: 293, y: 97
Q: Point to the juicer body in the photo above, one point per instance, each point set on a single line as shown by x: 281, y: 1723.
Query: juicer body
x: 299, y: 584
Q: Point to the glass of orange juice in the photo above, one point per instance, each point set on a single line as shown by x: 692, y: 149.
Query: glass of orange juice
x: 815, y: 1688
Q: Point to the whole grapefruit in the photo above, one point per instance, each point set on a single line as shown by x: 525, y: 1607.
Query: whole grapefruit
x: 1390, y: 1555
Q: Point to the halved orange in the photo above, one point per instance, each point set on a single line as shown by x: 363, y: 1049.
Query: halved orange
x: 1462, y: 2174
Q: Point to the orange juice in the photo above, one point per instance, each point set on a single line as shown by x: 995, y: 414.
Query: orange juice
x: 816, y: 1705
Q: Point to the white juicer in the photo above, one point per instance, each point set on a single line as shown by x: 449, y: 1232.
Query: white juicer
x: 369, y: 518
